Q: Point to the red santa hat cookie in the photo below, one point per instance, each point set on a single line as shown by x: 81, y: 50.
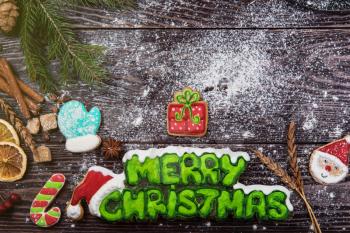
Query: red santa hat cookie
x: 329, y: 163
x: 98, y: 183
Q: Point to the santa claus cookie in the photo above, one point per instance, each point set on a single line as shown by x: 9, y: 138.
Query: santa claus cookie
x: 175, y: 183
x: 329, y: 163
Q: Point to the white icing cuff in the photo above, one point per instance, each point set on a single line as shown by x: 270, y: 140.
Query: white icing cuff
x: 83, y: 143
x: 347, y: 138
x: 74, y: 212
x: 117, y: 183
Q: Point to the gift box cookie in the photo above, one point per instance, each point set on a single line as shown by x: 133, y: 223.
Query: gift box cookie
x: 187, y: 115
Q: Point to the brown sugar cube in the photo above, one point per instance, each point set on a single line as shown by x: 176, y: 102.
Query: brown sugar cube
x: 33, y: 125
x: 48, y: 121
x: 44, y: 153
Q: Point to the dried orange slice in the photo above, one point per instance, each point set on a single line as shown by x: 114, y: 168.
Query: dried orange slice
x: 8, y: 133
x: 13, y: 162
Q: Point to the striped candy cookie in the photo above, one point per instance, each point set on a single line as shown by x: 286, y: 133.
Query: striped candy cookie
x: 47, y: 194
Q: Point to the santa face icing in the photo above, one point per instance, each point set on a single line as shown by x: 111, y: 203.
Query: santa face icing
x: 329, y: 164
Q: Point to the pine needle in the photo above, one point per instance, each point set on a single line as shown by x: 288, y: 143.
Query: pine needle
x: 47, y: 35
x: 33, y: 48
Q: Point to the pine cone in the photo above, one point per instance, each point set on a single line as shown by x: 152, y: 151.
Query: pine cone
x: 8, y: 15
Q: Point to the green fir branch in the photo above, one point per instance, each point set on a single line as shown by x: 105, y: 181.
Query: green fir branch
x: 33, y: 50
x: 63, y: 45
x: 47, y: 35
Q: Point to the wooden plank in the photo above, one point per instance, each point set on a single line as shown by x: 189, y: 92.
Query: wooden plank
x: 331, y: 203
x: 255, y: 82
x: 209, y: 14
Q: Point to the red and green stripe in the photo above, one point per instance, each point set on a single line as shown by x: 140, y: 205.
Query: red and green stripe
x: 43, y: 199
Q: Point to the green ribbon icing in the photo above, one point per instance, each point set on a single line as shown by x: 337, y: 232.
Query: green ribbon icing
x: 187, y: 98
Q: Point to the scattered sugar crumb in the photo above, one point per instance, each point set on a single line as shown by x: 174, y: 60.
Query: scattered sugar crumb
x: 264, y: 228
x: 312, y: 228
x: 310, y: 122
x: 255, y: 227
x: 27, y: 220
x: 146, y: 91
x: 331, y: 194
x: 137, y: 121
x: 72, y: 225
x: 335, y: 98
x: 325, y: 94
x: 248, y: 134
x: 208, y: 224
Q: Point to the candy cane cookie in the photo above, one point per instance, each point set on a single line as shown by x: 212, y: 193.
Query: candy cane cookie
x: 43, y: 199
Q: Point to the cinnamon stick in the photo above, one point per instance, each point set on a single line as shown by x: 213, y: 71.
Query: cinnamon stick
x: 26, y: 89
x: 12, y: 82
x: 33, y: 107
x: 29, y: 91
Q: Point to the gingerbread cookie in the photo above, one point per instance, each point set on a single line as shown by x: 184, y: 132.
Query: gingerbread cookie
x: 79, y: 126
x: 178, y: 182
x: 42, y: 201
x: 329, y: 163
x: 187, y: 115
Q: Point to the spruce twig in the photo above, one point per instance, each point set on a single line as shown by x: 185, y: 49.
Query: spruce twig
x: 46, y: 35
x: 293, y: 158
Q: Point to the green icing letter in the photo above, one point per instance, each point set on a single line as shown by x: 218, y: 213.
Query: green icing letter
x: 255, y: 204
x: 208, y: 203
x: 110, y: 207
x: 136, y: 171
x: 169, y: 169
x: 210, y: 168
x: 232, y: 172
x: 155, y: 203
x: 187, y: 205
x: 190, y: 169
x: 172, y: 200
x: 277, y: 210
x: 134, y: 205
x: 231, y: 203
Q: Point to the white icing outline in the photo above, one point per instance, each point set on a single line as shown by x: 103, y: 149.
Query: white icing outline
x: 266, y: 189
x: 316, y: 171
x: 83, y: 143
x: 180, y: 151
x: 117, y: 182
x: 347, y: 138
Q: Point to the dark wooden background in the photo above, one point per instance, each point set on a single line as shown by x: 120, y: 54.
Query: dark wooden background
x: 259, y: 64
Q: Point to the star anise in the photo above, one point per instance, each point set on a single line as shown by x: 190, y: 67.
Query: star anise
x: 111, y: 148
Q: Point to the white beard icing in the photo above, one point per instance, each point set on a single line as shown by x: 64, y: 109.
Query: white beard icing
x: 323, y: 176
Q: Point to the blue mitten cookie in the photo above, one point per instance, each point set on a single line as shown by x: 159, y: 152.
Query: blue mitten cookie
x: 79, y: 126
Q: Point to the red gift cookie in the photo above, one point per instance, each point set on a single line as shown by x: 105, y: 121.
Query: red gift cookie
x: 187, y: 115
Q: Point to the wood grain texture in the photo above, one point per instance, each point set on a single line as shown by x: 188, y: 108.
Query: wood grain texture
x: 209, y: 14
x: 255, y: 83
x: 331, y: 203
